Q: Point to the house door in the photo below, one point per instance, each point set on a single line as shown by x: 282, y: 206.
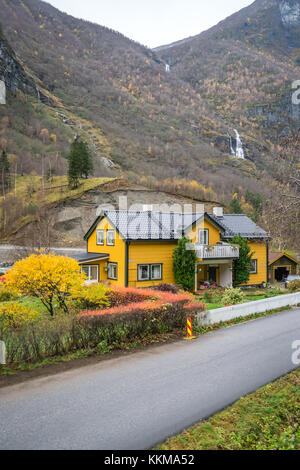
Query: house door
x: 213, y: 274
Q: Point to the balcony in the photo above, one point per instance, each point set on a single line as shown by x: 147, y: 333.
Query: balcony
x: 214, y: 252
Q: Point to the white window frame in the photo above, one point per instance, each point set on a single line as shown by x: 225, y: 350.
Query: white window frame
x: 114, y: 236
x: 90, y: 266
x: 151, y: 273
x: 101, y: 231
x: 204, y: 231
x: 110, y: 276
x: 256, y: 266
x: 143, y: 279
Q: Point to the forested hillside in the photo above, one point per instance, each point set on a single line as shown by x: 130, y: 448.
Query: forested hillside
x: 227, y: 89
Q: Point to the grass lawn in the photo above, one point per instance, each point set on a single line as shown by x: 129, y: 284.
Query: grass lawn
x: 217, y: 302
x: 29, y: 302
x: 212, y: 306
x: 266, y: 420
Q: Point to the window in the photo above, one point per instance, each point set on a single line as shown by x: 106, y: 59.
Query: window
x: 150, y: 272
x: 253, y: 266
x: 203, y: 237
x: 144, y: 272
x: 112, y: 272
x: 156, y: 272
x: 91, y: 272
x: 110, y: 237
x: 100, y: 237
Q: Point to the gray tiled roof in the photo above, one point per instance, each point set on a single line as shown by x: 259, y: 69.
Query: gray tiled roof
x: 85, y: 257
x: 240, y: 224
x: 151, y: 225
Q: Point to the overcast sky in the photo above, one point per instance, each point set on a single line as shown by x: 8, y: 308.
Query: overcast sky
x: 153, y: 22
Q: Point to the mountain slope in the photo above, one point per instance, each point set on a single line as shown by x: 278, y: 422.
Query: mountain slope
x: 244, y: 67
x: 153, y: 122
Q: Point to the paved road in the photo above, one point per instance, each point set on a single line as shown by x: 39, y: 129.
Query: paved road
x: 135, y: 402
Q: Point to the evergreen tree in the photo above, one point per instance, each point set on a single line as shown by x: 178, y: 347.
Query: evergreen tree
x: 256, y: 200
x: 86, y: 161
x: 74, y: 171
x: 80, y: 162
x: 235, y: 207
x: 243, y: 266
x: 184, y: 262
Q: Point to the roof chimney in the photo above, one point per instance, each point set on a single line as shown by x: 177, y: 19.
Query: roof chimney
x: 218, y: 211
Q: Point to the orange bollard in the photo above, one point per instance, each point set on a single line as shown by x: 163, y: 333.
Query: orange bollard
x: 190, y: 330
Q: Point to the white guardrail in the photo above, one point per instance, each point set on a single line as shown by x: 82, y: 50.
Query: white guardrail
x: 224, y: 314
x: 217, y: 251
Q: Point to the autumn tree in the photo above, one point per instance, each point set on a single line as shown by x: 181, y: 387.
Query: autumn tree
x: 49, y: 278
x: 282, y: 208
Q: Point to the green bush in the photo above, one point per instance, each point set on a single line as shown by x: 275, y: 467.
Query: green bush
x: 294, y: 286
x: 208, y: 296
x: 233, y: 296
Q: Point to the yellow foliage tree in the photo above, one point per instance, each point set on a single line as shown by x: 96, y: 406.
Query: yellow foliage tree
x: 15, y: 315
x: 50, y: 278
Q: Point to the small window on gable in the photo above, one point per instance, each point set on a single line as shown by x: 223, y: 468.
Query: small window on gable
x: 100, y: 237
x: 110, y: 237
x: 203, y: 236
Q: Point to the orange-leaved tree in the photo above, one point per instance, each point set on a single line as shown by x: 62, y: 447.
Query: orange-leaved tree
x: 50, y: 278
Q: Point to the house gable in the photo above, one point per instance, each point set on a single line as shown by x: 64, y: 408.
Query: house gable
x: 115, y: 252
x: 283, y: 259
x: 205, y: 223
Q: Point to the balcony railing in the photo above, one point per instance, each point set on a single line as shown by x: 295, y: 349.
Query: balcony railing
x: 217, y: 251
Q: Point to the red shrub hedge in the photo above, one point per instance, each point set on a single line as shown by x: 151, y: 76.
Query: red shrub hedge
x: 142, y: 300
x: 123, y: 296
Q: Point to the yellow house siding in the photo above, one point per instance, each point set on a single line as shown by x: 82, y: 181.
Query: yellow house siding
x: 150, y: 253
x: 260, y: 252
x: 116, y: 252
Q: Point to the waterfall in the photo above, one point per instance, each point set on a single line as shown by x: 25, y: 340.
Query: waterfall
x: 239, y: 150
x: 232, y: 151
x: 239, y: 153
x: 167, y: 68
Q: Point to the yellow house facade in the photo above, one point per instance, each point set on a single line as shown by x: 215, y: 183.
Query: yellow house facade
x: 135, y: 249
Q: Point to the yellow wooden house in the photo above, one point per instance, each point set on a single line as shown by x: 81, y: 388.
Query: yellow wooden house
x: 135, y: 249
